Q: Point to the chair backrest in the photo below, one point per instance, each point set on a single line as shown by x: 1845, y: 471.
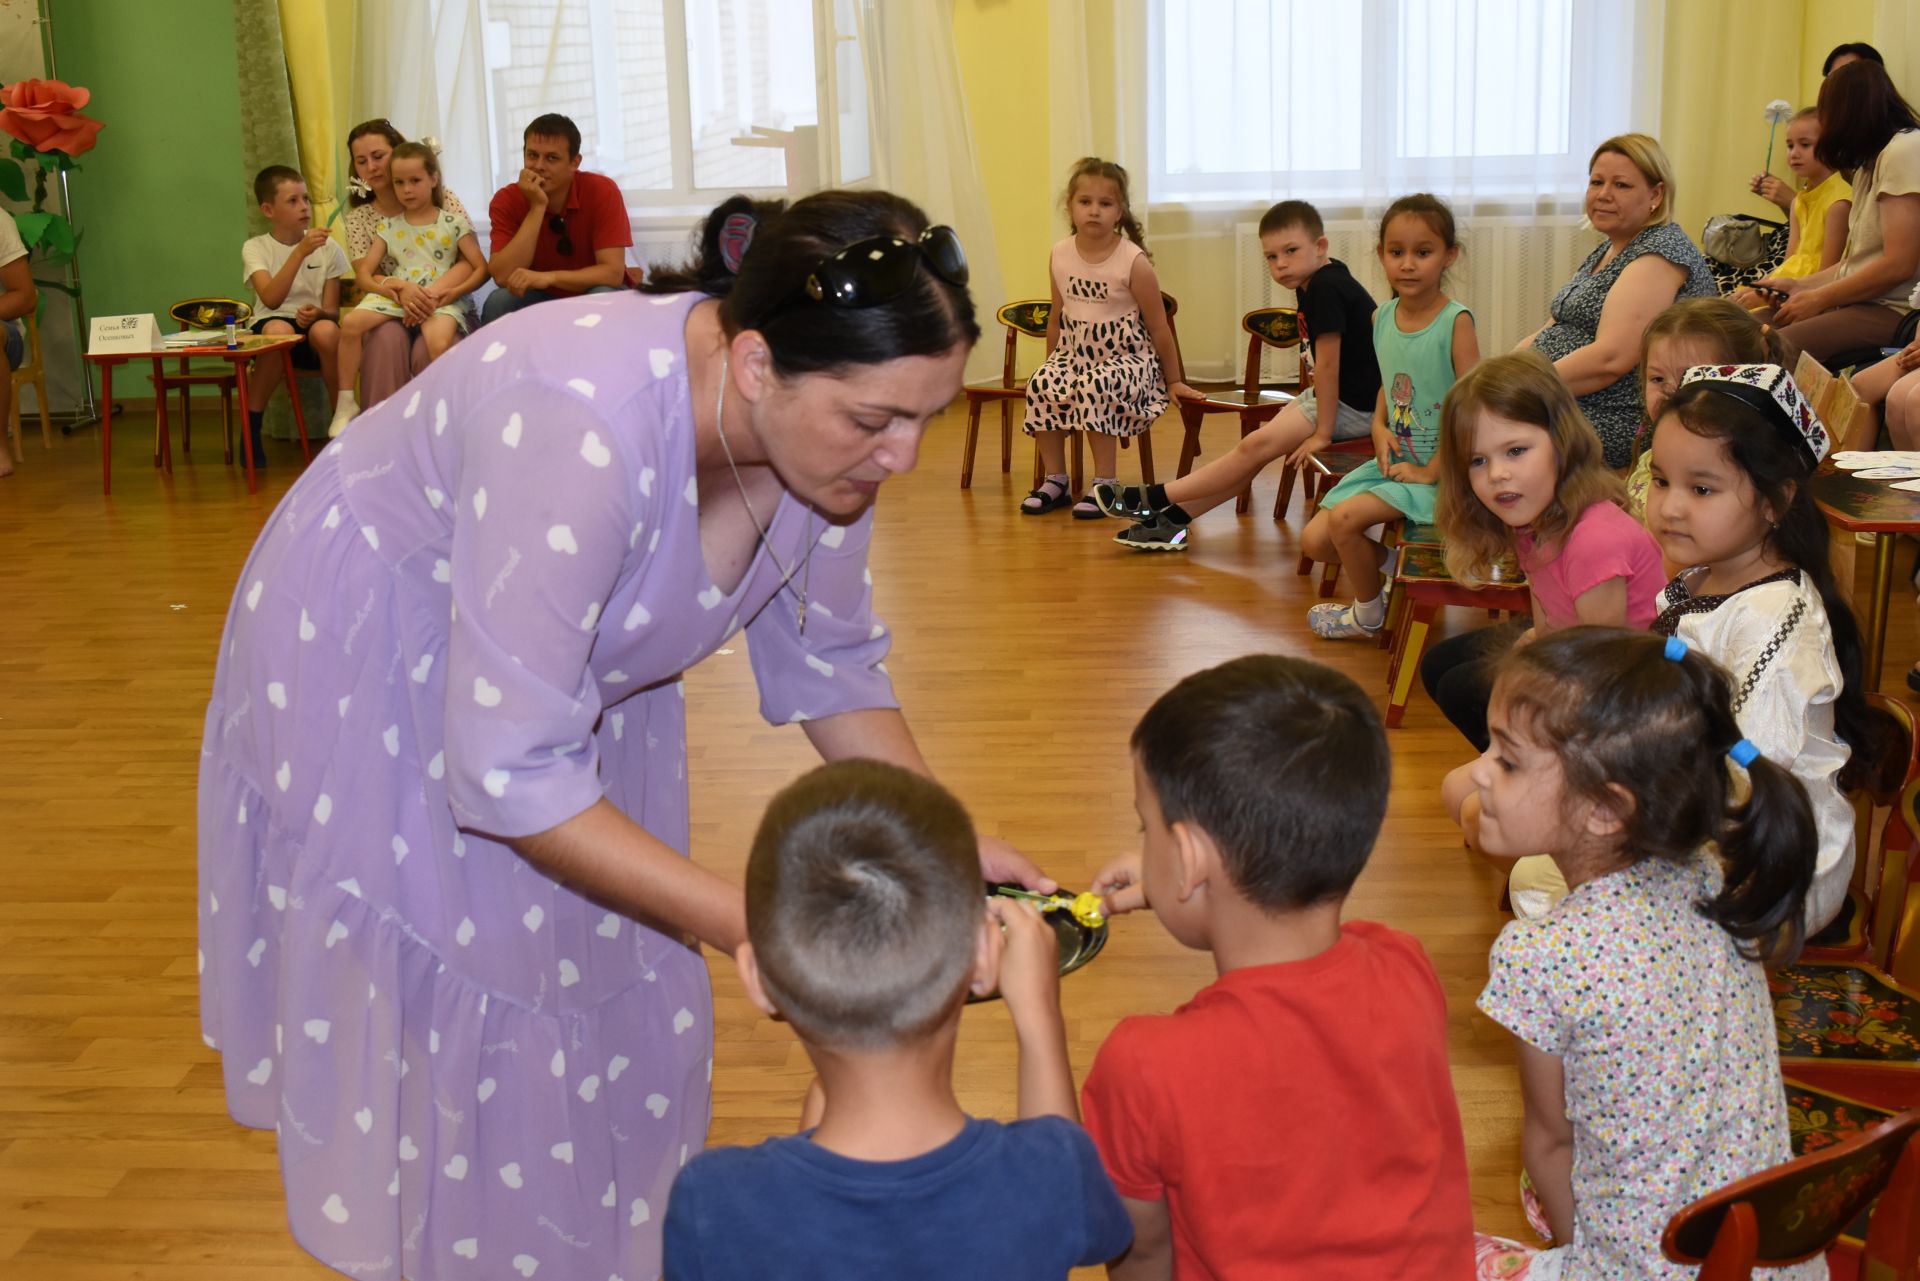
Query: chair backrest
x: 1029, y: 317
x: 1172, y: 306
x: 210, y: 312
x: 1839, y: 406
x: 1798, y: 1208
x: 1277, y: 327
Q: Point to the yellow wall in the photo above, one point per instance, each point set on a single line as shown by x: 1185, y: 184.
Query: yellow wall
x: 1828, y: 23
x: 1002, y: 45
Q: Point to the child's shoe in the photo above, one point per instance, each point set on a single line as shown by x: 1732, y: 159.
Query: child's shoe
x: 343, y: 413
x: 1157, y: 533
x: 1339, y: 622
x: 1128, y: 502
x: 1052, y: 495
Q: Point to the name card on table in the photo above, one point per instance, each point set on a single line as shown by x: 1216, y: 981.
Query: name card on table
x: 112, y: 335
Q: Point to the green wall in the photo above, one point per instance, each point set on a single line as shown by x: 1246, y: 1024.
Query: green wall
x: 159, y: 200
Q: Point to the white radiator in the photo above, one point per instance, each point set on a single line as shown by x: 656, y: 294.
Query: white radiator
x: 1508, y: 272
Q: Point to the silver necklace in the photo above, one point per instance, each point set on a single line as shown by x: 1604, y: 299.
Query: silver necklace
x: 804, y: 567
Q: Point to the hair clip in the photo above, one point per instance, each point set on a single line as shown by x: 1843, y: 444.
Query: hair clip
x: 1676, y: 648
x: 736, y: 237
x: 1744, y: 753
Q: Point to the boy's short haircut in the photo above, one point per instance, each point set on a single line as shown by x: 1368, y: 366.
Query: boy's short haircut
x: 1283, y: 762
x: 266, y: 183
x: 554, y: 125
x: 1293, y: 213
x: 864, y: 896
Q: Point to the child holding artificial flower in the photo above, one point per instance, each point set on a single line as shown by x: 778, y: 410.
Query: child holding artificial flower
x: 1817, y: 219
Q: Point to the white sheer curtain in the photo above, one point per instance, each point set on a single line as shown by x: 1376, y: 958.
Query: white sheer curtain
x: 422, y: 64
x: 1493, y: 105
x: 927, y: 145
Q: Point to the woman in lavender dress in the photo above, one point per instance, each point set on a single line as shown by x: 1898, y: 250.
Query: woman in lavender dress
x: 448, y: 934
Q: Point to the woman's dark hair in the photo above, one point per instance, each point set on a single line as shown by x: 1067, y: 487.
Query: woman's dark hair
x: 1779, y: 468
x: 1860, y: 112
x: 767, y: 292
x: 1852, y: 49
x: 1619, y: 714
x: 368, y: 128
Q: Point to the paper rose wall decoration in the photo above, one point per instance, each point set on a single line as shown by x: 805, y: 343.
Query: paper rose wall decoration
x: 43, y: 117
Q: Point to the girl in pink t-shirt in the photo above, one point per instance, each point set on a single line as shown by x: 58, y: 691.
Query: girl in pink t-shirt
x: 1523, y: 475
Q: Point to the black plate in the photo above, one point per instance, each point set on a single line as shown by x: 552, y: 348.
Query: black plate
x: 1078, y: 943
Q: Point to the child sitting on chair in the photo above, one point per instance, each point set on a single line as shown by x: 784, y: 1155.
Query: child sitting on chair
x: 866, y: 929
x: 440, y: 264
x: 1296, y: 1118
x: 294, y: 271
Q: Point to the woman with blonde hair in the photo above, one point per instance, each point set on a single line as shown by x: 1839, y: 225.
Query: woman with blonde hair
x: 1645, y: 264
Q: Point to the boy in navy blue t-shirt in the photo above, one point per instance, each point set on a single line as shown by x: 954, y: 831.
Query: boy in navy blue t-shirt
x: 866, y: 931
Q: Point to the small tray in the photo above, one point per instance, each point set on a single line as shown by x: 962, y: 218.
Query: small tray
x: 1078, y: 943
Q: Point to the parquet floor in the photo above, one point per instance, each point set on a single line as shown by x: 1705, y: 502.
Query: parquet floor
x: 1025, y: 651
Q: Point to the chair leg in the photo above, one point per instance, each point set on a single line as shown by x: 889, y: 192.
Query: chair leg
x: 14, y: 441
x: 40, y: 397
x: 1006, y: 436
x: 1146, y: 457
x: 226, y: 426
x: 1408, y: 649
x: 1329, y: 575
x: 1190, y: 421
x: 1079, y: 469
x: 1284, y: 494
x: 973, y: 437
x: 1244, y: 503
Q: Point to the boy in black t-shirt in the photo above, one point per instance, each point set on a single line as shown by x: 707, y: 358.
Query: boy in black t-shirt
x: 1336, y: 323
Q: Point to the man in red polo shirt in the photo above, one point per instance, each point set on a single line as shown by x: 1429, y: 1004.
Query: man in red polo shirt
x: 558, y: 232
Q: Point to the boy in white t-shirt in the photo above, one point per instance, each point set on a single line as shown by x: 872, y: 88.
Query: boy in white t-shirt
x: 18, y: 297
x: 294, y: 271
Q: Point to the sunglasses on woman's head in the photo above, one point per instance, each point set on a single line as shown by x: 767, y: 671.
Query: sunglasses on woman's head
x: 557, y: 224
x: 869, y: 272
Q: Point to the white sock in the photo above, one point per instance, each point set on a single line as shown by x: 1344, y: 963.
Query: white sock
x: 1371, y: 613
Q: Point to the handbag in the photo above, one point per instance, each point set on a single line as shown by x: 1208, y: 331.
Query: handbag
x: 1739, y: 240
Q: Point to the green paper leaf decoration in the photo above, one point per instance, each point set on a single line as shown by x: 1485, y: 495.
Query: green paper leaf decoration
x: 20, y: 150
x: 59, y: 234
x: 13, y: 183
x: 33, y: 226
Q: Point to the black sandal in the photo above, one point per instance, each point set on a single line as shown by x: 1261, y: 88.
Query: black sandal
x: 1052, y: 501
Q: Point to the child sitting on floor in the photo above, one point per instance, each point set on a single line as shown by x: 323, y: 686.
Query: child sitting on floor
x: 440, y: 264
x: 1295, y: 1119
x: 866, y: 930
x: 1639, y: 1007
x: 294, y: 270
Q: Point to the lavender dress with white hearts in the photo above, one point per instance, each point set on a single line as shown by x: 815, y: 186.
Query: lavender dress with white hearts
x: 470, y: 616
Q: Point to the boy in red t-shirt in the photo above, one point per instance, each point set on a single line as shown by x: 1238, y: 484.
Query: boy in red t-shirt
x: 1295, y: 1119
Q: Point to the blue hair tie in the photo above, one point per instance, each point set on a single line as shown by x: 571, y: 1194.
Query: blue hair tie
x: 1744, y: 753
x: 1676, y: 648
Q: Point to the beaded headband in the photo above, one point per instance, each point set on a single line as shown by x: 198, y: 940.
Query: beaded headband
x: 1771, y: 391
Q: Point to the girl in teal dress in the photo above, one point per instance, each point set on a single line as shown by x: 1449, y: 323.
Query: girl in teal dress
x: 1424, y: 341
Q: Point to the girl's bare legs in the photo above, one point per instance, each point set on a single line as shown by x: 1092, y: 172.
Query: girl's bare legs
x: 1902, y: 412
x: 440, y: 333
x: 1209, y: 486
x: 353, y: 327
x: 1339, y: 534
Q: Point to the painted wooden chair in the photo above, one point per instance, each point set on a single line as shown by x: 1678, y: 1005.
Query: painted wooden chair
x: 200, y: 313
x: 1076, y: 471
x: 1421, y: 587
x: 1266, y: 327
x: 1883, y: 847
x: 1325, y: 470
x: 1026, y: 318
x: 31, y: 373
x: 1800, y: 1208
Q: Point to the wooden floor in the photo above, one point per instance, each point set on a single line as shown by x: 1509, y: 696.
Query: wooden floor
x: 1025, y: 651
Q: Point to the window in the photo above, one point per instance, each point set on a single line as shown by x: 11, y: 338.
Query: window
x: 1252, y: 98
x: 681, y: 101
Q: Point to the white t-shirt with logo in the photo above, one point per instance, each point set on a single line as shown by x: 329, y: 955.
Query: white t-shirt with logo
x: 264, y: 253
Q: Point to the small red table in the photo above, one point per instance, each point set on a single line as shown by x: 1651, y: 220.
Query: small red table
x: 251, y: 347
x: 1421, y: 585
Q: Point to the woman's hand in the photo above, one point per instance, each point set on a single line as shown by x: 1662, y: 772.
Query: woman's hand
x: 1908, y: 357
x: 1803, y: 304
x: 1002, y: 864
x: 415, y: 306
x: 1120, y: 886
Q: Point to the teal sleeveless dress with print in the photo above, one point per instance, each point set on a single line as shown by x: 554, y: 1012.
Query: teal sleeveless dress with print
x: 1416, y: 369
